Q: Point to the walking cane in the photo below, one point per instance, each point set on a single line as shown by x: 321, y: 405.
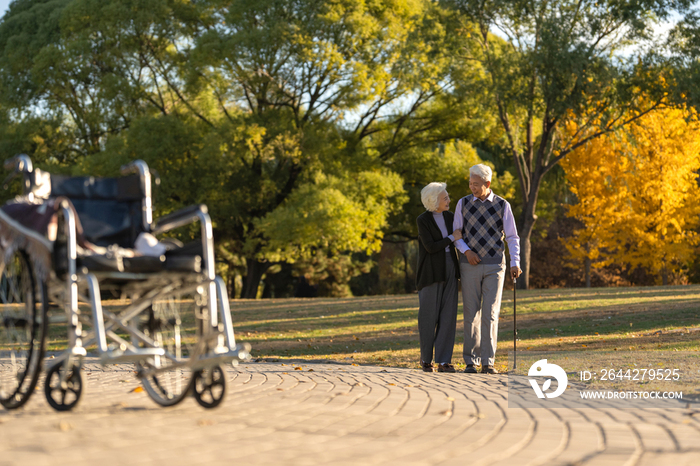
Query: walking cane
x: 515, y: 329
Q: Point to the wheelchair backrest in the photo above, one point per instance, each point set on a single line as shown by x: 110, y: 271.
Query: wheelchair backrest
x: 110, y: 209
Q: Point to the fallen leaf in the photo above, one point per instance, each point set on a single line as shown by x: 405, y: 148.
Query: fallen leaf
x: 354, y: 364
x: 138, y: 389
x: 63, y: 426
x: 585, y: 346
x: 447, y: 412
x: 297, y: 368
x: 391, y: 384
x: 310, y: 370
x: 449, y: 398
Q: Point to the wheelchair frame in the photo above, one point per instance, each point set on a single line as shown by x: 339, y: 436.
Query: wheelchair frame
x: 215, y: 341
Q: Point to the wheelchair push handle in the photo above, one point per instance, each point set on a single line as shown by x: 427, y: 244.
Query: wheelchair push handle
x: 133, y: 167
x: 140, y: 167
x: 18, y: 164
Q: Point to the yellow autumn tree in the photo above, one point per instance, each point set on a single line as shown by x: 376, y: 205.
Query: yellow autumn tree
x: 637, y: 195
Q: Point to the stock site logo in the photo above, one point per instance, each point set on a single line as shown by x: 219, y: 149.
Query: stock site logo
x: 543, y: 369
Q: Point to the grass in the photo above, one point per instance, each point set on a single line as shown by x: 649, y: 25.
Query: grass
x: 383, y: 330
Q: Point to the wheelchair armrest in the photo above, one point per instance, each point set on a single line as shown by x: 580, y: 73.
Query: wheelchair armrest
x: 179, y: 218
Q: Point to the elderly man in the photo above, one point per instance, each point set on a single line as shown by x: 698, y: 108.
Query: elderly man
x: 484, y: 218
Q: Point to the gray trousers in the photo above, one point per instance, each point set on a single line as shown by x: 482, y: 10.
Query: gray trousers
x: 482, y: 288
x: 437, y: 317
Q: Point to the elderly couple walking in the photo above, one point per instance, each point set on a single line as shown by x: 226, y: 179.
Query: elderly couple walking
x: 476, y: 229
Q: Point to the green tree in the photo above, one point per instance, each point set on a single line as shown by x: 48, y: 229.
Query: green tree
x: 551, y: 63
x: 256, y: 108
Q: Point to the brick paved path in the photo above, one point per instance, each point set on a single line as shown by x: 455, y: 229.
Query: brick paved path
x: 339, y: 414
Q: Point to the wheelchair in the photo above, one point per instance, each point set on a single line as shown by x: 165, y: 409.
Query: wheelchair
x: 69, y: 242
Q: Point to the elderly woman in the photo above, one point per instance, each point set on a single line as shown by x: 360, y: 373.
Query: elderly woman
x: 436, y: 279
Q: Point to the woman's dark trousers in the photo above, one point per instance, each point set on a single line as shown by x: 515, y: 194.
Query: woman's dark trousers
x: 437, y: 317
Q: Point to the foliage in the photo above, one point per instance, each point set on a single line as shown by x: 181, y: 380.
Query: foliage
x: 263, y: 110
x: 554, y: 63
x: 637, y: 194
x: 449, y: 163
x: 333, y: 215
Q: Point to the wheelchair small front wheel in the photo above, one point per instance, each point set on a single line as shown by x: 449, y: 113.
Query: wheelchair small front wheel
x: 63, y: 395
x: 209, y: 387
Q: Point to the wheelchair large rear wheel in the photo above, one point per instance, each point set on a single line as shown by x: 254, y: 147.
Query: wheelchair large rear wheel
x: 22, y: 330
x: 174, y: 324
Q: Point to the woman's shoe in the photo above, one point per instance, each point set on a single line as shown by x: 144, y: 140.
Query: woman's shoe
x: 470, y: 369
x: 488, y: 370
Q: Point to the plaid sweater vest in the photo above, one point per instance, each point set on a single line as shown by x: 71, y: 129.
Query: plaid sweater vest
x: 482, y: 229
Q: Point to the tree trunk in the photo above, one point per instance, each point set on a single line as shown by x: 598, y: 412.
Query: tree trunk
x: 254, y: 272
x: 408, y: 286
x: 664, y: 276
x: 525, y: 249
x: 587, y: 271
x: 231, y: 286
x: 528, y: 223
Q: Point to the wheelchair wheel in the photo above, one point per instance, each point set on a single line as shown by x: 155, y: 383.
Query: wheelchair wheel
x: 22, y: 331
x: 209, y: 387
x: 63, y: 396
x: 174, y: 324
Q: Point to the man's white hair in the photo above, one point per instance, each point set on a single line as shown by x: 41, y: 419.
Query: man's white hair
x: 430, y: 195
x: 482, y: 171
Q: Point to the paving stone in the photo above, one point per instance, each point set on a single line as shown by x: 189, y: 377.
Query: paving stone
x: 338, y: 414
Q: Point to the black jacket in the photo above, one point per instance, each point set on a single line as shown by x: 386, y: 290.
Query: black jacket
x: 431, y: 250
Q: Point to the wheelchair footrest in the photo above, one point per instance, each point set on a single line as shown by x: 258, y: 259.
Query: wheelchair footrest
x: 118, y: 356
x: 225, y: 356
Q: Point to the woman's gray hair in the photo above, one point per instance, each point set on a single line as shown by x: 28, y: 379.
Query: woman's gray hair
x: 429, y: 195
x: 482, y: 171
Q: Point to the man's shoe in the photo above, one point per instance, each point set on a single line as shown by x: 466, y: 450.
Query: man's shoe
x: 444, y: 367
x: 470, y: 369
x: 488, y: 370
x: 426, y: 366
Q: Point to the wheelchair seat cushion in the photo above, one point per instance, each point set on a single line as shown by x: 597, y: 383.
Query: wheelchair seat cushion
x: 185, y: 258
x: 141, y: 264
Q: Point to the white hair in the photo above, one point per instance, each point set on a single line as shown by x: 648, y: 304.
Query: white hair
x: 429, y: 195
x: 482, y: 171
